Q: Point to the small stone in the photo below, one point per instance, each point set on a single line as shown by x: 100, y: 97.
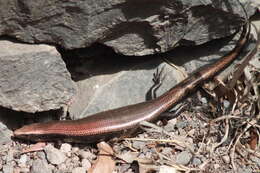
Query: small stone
x: 125, y: 168
x: 75, y: 149
x: 54, y: 155
x: 23, y: 159
x: 86, y: 155
x: 183, y: 157
x: 5, y: 135
x: 139, y: 144
x: 181, y: 124
x: 194, y: 124
x: 86, y: 164
x: 40, y: 166
x: 216, y: 166
x: 196, y: 161
x: 10, y: 155
x: 62, y: 166
x: 226, y: 158
x: 128, y: 156
x: 75, y: 159
x: 166, y: 150
x: 65, y: 148
x: 170, y: 126
x: 172, y: 121
x: 79, y: 170
x: 182, y: 132
x: 41, y: 155
x: 226, y: 103
x: 8, y: 169
x: 146, y: 149
x: 148, y: 154
x: 68, y: 164
x: 204, y: 100
x: 141, y: 156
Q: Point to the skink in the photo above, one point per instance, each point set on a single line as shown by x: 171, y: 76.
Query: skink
x: 108, y: 124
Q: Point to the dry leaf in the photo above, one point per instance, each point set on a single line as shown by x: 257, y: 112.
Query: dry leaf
x: 253, y: 139
x: 104, y: 162
x: 35, y: 147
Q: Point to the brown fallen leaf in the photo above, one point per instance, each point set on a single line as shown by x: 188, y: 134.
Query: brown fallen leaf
x: 104, y: 162
x: 39, y: 146
x: 253, y: 139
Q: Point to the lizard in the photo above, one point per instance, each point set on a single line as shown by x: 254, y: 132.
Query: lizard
x: 117, y: 122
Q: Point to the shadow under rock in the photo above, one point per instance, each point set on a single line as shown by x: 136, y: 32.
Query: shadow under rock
x: 99, y: 59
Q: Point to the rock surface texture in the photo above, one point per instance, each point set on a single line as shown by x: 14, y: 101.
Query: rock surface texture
x: 33, y: 78
x: 130, y: 27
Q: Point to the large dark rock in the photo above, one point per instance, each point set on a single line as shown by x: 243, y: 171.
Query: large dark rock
x: 131, y: 27
x: 33, y: 78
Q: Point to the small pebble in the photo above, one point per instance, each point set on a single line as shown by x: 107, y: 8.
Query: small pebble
x: 86, y: 155
x: 86, y: 164
x: 10, y: 156
x: 8, y: 168
x: 40, y: 166
x: 148, y: 154
x: 75, y: 149
x: 75, y: 159
x: 141, y: 156
x: 172, y: 121
x: 204, y: 100
x: 182, y: 132
x: 196, y: 161
x: 62, y: 166
x: 194, y: 124
x: 216, y: 166
x: 181, y: 124
x: 79, y: 170
x: 226, y: 158
x: 23, y: 159
x: 125, y: 168
x: 128, y: 156
x: 166, y: 150
x: 226, y: 103
x: 139, y: 144
x: 41, y: 155
x: 170, y: 126
x: 65, y: 148
x: 183, y: 157
x: 54, y: 155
